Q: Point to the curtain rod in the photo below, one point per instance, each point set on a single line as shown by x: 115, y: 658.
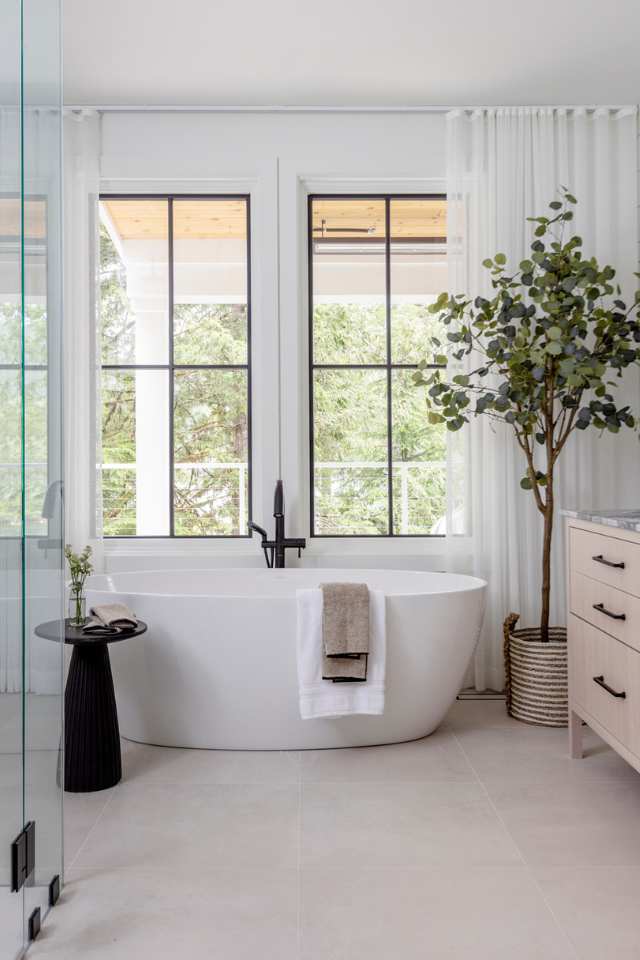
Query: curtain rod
x: 141, y: 108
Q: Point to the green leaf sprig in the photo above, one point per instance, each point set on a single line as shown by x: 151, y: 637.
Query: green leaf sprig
x: 80, y: 567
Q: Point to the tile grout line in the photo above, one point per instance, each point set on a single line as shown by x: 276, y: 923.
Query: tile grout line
x: 483, y: 786
x: 563, y: 933
x: 540, y: 890
x: 90, y: 831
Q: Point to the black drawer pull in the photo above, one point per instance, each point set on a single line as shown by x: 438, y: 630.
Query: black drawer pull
x: 605, y: 686
x: 600, y: 607
x: 608, y: 563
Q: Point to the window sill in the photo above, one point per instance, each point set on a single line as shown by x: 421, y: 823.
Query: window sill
x: 385, y: 546
x: 323, y: 551
x: 180, y: 547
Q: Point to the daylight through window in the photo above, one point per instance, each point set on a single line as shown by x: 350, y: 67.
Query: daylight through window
x: 175, y: 344
x: 375, y: 265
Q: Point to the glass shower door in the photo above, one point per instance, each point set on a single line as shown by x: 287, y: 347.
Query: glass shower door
x: 11, y: 612
x: 31, y: 517
x: 43, y: 493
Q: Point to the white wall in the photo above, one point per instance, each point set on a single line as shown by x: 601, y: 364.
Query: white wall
x: 278, y: 158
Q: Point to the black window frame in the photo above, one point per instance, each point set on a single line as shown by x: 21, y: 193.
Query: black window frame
x: 388, y: 366
x: 171, y: 367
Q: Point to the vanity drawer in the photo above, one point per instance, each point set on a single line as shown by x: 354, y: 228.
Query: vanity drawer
x: 605, y: 681
x: 606, y: 607
x: 606, y: 559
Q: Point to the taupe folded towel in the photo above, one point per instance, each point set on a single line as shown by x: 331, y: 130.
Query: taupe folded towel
x: 345, y: 631
x: 97, y: 628
x: 115, y: 615
x: 345, y: 619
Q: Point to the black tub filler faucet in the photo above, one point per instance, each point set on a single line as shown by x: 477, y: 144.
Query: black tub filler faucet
x: 274, y: 550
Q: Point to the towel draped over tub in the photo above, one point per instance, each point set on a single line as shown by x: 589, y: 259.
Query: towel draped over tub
x: 321, y: 698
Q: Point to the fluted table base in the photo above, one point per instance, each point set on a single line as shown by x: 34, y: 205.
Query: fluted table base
x: 92, y: 737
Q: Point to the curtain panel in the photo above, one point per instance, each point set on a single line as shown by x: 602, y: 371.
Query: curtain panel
x: 504, y: 165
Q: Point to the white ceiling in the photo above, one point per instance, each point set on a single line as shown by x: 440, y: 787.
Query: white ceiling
x: 351, y: 52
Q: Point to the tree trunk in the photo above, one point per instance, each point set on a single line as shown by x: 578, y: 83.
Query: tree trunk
x: 546, y: 560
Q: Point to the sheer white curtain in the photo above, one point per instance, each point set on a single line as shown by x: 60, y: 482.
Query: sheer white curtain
x: 506, y: 164
x: 81, y: 191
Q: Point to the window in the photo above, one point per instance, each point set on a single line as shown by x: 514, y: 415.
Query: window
x: 25, y: 458
x: 375, y: 265
x: 175, y: 326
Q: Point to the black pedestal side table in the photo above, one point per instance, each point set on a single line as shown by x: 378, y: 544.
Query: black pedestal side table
x: 92, y: 758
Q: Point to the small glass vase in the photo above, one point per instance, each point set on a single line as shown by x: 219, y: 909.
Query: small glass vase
x: 77, y: 610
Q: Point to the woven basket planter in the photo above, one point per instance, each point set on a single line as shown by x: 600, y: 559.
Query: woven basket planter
x: 536, y: 674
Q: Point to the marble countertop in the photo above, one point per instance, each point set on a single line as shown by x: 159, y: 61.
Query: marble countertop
x: 622, y: 519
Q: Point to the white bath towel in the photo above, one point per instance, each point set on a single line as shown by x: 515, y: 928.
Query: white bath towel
x: 322, y: 698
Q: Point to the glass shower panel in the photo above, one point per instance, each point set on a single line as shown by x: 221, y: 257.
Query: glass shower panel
x: 42, y: 384
x: 31, y: 518
x: 11, y: 700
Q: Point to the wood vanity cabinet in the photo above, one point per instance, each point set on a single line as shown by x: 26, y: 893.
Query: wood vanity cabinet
x: 604, y: 636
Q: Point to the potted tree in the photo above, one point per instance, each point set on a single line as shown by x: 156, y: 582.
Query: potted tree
x: 541, y: 356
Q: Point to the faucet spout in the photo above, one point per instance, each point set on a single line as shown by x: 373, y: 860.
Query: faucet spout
x: 260, y: 530
x: 268, y: 546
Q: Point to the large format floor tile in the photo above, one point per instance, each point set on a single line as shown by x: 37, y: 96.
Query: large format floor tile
x: 142, y: 762
x: 502, y: 749
x: 471, y: 914
x: 438, y: 757
x: 482, y: 841
x: 597, y: 907
x: 193, y: 827
x: 401, y: 824
x: 220, y: 915
x: 81, y: 812
x: 573, y: 824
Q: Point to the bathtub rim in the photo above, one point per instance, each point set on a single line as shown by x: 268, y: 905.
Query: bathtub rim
x: 473, y: 583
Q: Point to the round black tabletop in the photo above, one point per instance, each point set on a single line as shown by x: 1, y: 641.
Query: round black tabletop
x: 51, y: 631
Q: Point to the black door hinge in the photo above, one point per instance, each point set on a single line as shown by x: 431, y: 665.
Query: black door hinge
x: 23, y: 856
x: 54, y: 890
x: 34, y: 924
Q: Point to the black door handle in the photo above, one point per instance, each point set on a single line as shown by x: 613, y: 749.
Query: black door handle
x: 600, y: 607
x: 605, y: 686
x: 608, y: 563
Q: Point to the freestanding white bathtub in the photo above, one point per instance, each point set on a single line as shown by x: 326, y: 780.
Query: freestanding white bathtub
x: 217, y: 667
